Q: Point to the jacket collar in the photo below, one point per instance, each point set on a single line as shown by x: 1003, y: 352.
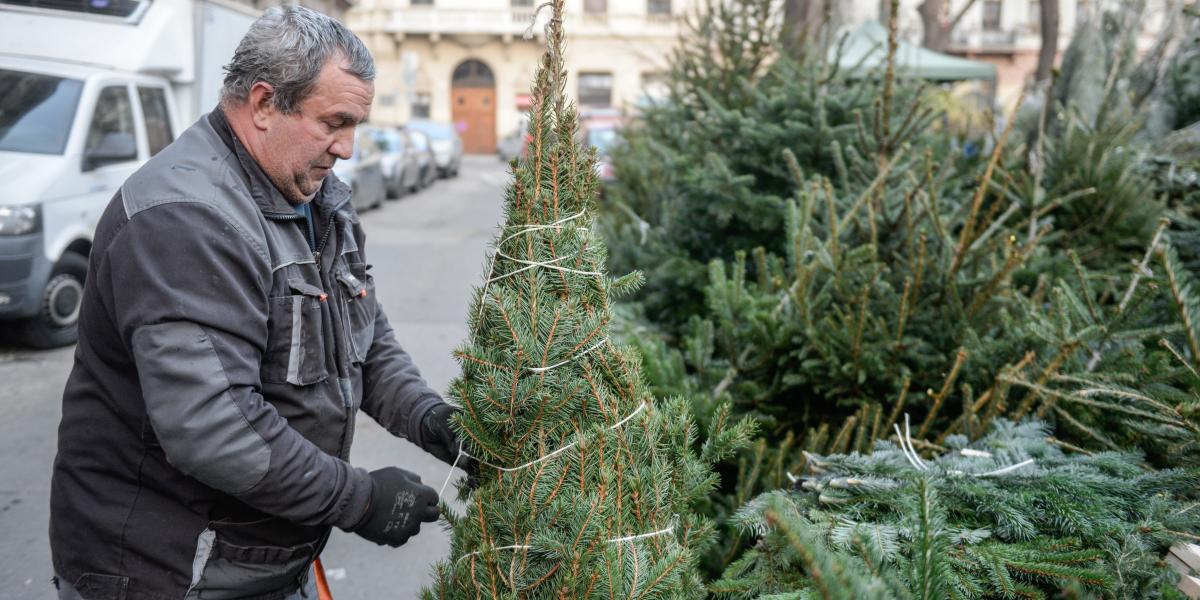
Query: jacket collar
x: 332, y: 195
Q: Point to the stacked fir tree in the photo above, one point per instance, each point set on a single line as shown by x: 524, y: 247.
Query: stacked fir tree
x: 1010, y: 516
x: 586, y: 483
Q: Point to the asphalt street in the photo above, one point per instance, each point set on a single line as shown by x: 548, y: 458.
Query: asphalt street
x: 429, y: 252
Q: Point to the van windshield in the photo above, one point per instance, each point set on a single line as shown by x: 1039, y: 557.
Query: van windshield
x: 36, y: 111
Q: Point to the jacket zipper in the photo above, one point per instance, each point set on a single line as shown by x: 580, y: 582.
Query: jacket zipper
x: 338, y: 322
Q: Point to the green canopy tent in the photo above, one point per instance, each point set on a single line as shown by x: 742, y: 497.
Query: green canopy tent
x: 865, y: 50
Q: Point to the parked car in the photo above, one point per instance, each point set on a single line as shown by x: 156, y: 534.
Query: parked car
x: 447, y: 146
x: 425, y: 160
x: 513, y: 145
x: 363, y: 172
x: 603, y: 137
x: 398, y: 158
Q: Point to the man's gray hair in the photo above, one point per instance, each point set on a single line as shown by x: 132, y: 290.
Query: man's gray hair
x: 287, y: 47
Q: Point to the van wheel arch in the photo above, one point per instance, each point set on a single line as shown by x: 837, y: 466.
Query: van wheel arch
x: 56, y: 323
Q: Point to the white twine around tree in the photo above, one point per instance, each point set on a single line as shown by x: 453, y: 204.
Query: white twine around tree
x: 559, y: 364
x: 628, y: 538
x: 462, y: 453
x: 618, y: 540
x: 551, y: 264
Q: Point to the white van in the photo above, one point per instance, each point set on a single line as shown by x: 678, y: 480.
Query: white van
x: 85, y: 99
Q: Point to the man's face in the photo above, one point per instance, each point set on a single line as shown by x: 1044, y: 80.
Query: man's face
x: 299, y: 149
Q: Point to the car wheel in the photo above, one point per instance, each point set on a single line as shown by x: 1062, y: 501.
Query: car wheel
x: 56, y: 323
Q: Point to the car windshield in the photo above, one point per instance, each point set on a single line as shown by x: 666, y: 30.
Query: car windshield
x: 602, y: 139
x: 435, y: 131
x: 36, y: 111
x: 389, y: 141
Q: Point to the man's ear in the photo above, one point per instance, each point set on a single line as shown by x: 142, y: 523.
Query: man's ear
x: 261, y: 106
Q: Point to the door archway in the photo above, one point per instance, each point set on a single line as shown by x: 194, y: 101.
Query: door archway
x: 473, y: 106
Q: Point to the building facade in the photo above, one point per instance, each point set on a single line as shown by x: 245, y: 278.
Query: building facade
x: 472, y: 62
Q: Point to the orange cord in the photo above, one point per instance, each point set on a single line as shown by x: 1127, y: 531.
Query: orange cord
x: 322, y: 583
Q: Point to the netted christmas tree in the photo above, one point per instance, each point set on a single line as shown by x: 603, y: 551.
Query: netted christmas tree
x: 586, y: 483
x: 1010, y: 516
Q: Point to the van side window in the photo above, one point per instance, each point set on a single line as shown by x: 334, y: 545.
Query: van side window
x: 111, y: 138
x: 158, y: 123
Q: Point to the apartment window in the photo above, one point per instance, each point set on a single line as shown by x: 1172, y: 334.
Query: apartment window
x: 522, y: 3
x: 658, y: 8
x: 991, y: 15
x: 654, y: 88
x: 595, y: 7
x: 595, y: 90
x: 421, y: 2
x: 420, y: 105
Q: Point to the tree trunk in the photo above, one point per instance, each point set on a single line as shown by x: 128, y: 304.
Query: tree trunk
x: 803, y: 19
x: 933, y: 23
x: 1049, y: 26
x: 937, y: 24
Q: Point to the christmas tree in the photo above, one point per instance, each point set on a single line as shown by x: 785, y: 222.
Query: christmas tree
x: 586, y: 483
x: 854, y: 267
x: 1010, y: 516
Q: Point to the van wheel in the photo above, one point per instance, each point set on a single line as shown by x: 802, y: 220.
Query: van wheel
x: 58, y: 317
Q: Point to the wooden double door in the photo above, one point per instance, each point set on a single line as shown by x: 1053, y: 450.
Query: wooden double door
x: 473, y: 110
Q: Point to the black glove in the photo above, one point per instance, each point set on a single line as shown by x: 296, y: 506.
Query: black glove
x: 438, y: 438
x: 399, y: 504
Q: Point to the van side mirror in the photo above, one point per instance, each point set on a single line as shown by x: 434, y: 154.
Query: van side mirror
x: 114, y: 147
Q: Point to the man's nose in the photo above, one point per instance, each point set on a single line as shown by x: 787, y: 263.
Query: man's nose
x: 343, y: 144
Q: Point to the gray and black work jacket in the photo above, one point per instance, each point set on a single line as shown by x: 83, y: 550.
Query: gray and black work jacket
x: 207, y: 420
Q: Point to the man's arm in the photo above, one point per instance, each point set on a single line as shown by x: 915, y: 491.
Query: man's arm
x: 189, y: 296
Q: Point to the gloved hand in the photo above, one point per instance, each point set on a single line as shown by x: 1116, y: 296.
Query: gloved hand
x: 438, y: 438
x: 399, y: 504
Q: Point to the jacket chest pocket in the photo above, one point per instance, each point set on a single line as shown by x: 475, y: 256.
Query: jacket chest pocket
x: 295, y: 341
x: 360, y: 311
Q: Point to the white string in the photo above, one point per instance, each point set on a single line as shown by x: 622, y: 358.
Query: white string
x: 528, y: 35
x: 619, y: 540
x: 462, y: 453
x: 557, y: 365
x: 550, y: 263
x: 910, y: 454
x: 1007, y: 469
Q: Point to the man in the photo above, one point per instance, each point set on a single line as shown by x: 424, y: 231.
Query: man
x: 229, y: 334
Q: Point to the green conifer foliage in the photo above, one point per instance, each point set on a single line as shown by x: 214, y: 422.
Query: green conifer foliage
x: 1010, y: 516
x: 701, y: 175
x: 586, y: 482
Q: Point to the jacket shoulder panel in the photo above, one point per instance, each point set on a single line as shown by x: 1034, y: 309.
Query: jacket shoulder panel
x: 197, y: 168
